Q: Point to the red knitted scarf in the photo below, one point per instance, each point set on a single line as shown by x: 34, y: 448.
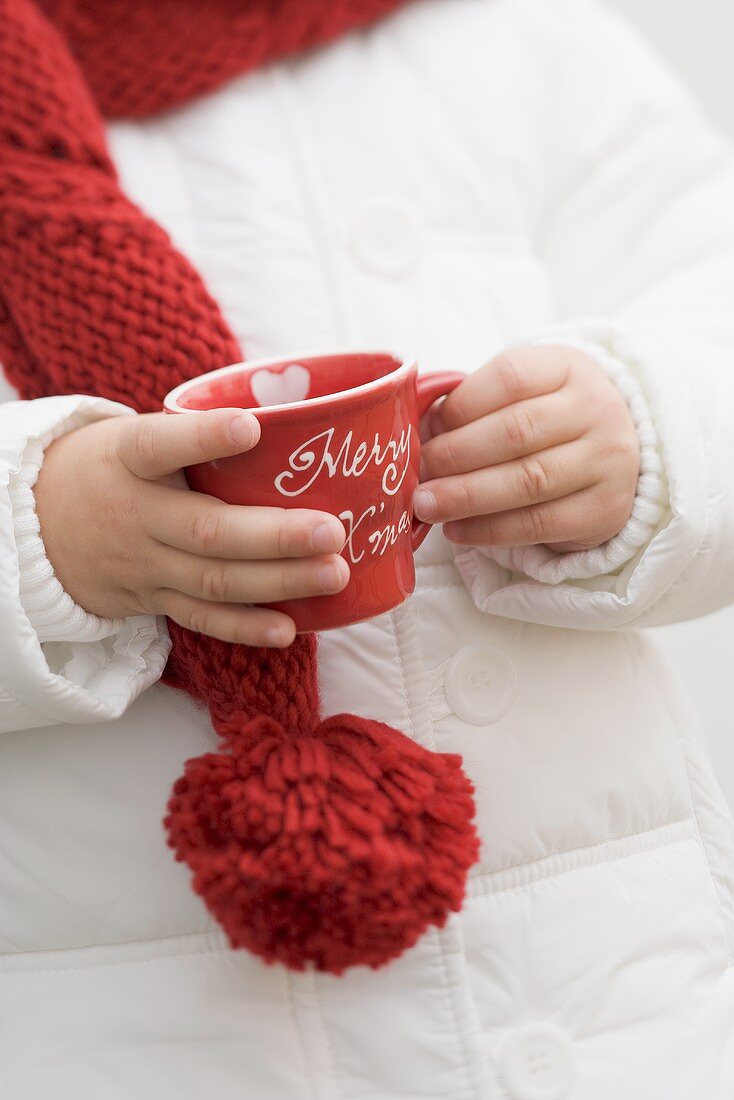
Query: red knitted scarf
x: 323, y: 842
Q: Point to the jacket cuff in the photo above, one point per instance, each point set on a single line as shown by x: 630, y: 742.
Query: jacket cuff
x: 651, y: 499
x: 51, y: 611
x: 59, y: 681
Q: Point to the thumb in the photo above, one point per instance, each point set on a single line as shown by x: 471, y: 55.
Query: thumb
x: 157, y: 444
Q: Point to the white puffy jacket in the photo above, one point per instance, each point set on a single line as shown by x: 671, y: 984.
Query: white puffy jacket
x: 463, y: 176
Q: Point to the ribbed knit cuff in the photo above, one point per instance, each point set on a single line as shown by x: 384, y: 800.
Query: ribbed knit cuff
x: 651, y: 499
x: 52, y: 612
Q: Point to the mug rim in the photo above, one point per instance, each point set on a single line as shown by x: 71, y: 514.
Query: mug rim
x: 406, y: 364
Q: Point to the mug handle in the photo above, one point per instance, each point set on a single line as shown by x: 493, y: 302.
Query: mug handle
x: 428, y: 388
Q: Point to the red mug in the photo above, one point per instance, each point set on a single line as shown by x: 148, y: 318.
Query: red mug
x: 339, y: 433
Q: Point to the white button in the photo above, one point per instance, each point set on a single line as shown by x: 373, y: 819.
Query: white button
x: 385, y: 238
x: 480, y: 684
x: 537, y: 1063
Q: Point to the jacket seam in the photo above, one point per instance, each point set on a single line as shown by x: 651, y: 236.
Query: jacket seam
x: 714, y: 878
x: 477, y: 881
x: 193, y: 952
x: 692, y: 839
x: 401, y: 666
x: 407, y: 649
x: 323, y: 1073
x: 308, y: 1076
x: 472, y: 1081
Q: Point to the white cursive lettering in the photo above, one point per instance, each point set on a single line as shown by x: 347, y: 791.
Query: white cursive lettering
x: 351, y: 527
x: 319, y: 455
x: 379, y: 540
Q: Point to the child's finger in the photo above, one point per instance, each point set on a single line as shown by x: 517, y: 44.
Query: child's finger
x: 534, y: 479
x: 519, y: 429
x: 217, y: 581
x: 578, y: 517
x: 202, y: 525
x: 158, y: 444
x: 254, y: 626
x: 515, y: 375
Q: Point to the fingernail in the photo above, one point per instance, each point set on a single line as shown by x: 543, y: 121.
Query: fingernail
x: 424, y: 504
x: 244, y: 430
x: 453, y: 531
x: 325, y: 539
x: 330, y: 577
x: 275, y: 636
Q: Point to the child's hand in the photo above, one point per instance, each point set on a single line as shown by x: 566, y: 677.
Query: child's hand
x: 536, y: 447
x: 126, y: 536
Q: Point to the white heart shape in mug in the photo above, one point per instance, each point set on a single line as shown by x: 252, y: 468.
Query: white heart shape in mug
x: 282, y: 387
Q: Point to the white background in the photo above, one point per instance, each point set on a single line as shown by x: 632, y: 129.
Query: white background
x: 697, y: 36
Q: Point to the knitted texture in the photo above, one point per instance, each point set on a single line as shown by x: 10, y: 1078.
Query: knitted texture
x: 328, y: 843
x: 144, y: 56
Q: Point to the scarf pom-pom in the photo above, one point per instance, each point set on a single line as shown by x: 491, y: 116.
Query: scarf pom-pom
x: 332, y: 849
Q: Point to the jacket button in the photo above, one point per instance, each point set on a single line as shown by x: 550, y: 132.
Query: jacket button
x: 385, y: 238
x: 537, y: 1063
x: 480, y: 683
